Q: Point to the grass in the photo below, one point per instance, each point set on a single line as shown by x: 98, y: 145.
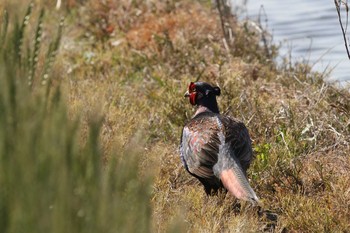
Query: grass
x: 97, y: 151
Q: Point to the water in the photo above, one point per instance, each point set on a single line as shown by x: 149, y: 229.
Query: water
x: 309, y: 30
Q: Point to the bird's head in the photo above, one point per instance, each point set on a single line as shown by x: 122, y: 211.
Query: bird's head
x: 201, y: 93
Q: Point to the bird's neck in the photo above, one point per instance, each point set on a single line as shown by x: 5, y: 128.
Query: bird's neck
x: 208, y: 106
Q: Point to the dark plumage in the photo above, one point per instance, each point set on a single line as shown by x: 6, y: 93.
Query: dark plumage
x: 215, y: 148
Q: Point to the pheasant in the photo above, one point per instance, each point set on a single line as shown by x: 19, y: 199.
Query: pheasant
x: 215, y: 148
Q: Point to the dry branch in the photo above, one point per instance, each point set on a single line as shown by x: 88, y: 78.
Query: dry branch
x: 227, y: 21
x: 338, y: 6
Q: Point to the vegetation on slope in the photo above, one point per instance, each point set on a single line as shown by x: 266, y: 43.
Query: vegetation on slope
x: 125, y: 66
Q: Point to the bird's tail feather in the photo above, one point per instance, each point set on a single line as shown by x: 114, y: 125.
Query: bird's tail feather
x: 231, y: 174
x: 238, y: 185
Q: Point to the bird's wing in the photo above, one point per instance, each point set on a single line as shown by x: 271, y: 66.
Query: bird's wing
x: 237, y: 136
x: 199, y: 147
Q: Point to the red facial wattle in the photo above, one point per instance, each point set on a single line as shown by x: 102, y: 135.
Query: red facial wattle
x: 193, y: 98
x: 192, y: 93
x: 192, y: 87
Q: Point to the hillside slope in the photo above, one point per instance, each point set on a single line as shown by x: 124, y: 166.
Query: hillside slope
x: 134, y: 63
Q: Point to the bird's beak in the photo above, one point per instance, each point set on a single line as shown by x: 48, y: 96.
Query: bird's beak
x: 187, y: 94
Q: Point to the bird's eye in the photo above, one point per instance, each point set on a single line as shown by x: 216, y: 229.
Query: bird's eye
x: 192, y: 87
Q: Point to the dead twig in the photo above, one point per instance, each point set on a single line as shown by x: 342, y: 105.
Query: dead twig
x: 338, y: 6
x: 227, y: 22
x: 267, y: 45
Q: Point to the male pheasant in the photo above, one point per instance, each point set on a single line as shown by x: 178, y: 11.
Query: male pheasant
x: 215, y: 148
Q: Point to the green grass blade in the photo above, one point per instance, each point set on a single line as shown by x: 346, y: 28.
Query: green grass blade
x: 3, y: 28
x: 37, y: 44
